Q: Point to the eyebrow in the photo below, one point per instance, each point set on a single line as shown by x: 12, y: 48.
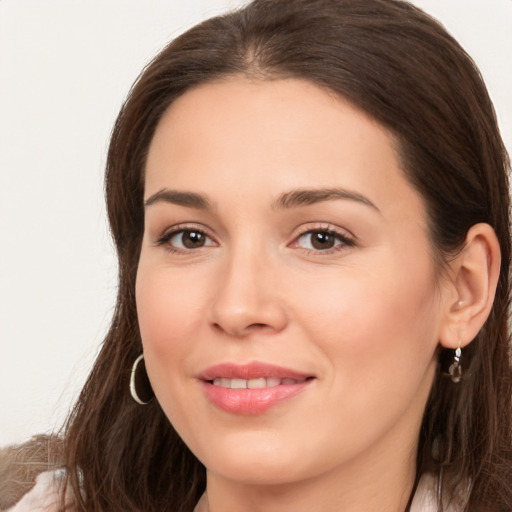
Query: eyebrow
x: 291, y: 199
x: 189, y: 199
x: 305, y: 197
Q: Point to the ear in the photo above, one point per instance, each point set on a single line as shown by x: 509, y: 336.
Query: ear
x: 470, y: 294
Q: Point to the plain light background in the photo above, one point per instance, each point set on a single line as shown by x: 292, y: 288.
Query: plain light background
x: 65, y: 68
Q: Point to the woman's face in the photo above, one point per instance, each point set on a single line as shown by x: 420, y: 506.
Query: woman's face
x: 287, y: 297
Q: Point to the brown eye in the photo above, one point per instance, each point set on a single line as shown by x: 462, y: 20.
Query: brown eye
x: 193, y: 239
x: 189, y: 239
x: 323, y: 240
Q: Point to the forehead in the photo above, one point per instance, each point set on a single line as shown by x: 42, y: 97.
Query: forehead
x: 248, y: 134
x: 260, y: 109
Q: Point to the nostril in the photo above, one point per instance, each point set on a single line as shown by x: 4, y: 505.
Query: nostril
x: 242, y: 330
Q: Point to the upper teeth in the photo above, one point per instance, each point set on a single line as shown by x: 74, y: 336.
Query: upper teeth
x: 268, y: 382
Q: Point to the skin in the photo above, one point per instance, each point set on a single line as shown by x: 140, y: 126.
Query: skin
x: 364, y: 317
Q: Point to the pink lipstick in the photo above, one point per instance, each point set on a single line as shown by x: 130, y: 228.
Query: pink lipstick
x: 251, y: 388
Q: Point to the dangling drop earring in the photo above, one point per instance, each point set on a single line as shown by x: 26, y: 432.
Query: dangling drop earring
x: 140, y: 387
x: 455, y: 369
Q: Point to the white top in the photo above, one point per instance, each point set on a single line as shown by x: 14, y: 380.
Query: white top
x: 44, y: 496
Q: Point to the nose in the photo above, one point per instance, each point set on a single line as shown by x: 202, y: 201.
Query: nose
x: 247, y: 298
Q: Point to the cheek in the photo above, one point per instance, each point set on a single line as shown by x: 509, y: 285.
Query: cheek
x: 167, y: 314
x: 377, y: 334
x: 167, y: 323
x: 167, y: 310
x: 381, y: 319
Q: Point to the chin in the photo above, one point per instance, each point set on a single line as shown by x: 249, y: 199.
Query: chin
x: 249, y: 459
x: 256, y: 471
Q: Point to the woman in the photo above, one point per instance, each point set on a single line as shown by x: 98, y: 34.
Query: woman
x: 309, y: 199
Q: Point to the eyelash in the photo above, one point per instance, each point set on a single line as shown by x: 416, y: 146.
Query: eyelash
x: 167, y: 237
x: 341, y: 239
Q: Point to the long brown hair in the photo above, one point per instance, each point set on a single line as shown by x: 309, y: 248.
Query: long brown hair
x: 402, y: 68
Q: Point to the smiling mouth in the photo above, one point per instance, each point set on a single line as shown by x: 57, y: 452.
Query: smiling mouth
x: 254, y: 388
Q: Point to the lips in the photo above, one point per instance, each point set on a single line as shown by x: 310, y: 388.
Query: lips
x: 252, y: 388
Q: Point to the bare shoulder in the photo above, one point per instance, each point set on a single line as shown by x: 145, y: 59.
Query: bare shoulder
x: 21, y: 465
